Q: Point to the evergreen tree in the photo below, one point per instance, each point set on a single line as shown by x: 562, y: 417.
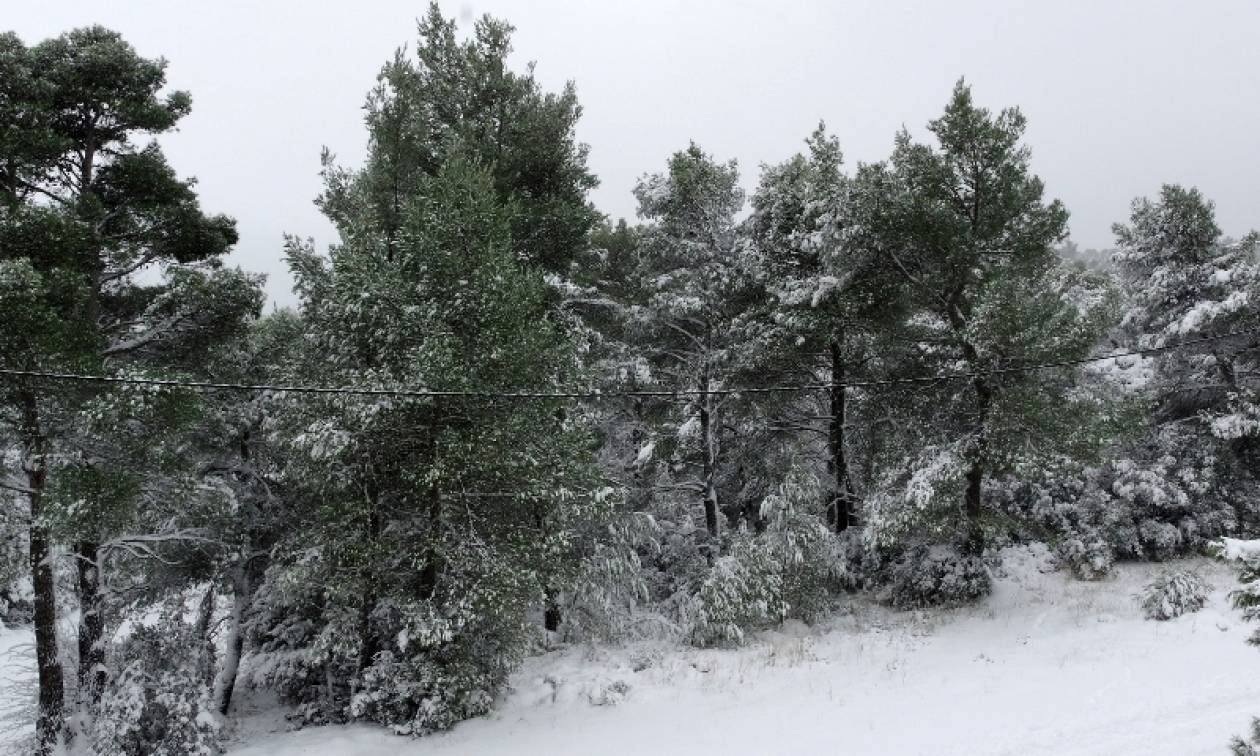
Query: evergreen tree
x: 689, y: 270
x: 88, y: 211
x: 831, y: 306
x: 1185, y: 282
x: 465, y: 91
x: 441, y: 521
x: 965, y: 225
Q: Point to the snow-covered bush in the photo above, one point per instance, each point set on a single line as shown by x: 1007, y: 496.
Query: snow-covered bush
x: 1174, y: 594
x: 1086, y: 553
x: 1246, y: 555
x: 158, y: 703
x: 864, y: 565
x: 1161, y: 540
x: 811, y: 561
x: 299, y: 647
x: 610, y: 582
x: 938, y: 575
x: 15, y: 605
x: 439, y: 660
x: 789, y: 570
x: 1250, y: 746
x: 1162, y: 496
x: 742, y: 590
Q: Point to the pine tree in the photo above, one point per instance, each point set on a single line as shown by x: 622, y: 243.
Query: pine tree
x: 689, y: 268
x: 1185, y: 282
x: 89, y: 211
x: 965, y: 225
x: 830, y: 309
x: 465, y: 91
x: 441, y: 521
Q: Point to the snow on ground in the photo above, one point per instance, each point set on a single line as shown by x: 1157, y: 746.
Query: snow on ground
x: 1047, y: 665
x: 17, y: 691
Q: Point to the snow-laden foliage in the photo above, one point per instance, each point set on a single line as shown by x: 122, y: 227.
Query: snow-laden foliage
x: 1161, y: 497
x: 938, y: 575
x: 915, y: 496
x: 1173, y: 594
x: 1245, y: 554
x: 791, y: 569
x: 611, y: 583
x: 158, y: 702
x: 1250, y: 746
x: 743, y: 590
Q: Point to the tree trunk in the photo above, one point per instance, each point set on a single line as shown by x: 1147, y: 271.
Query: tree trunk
x: 50, y: 719
x: 975, y: 473
x: 433, y: 559
x: 201, y: 631
x: 842, y: 497
x: 367, y: 639
x: 92, y: 673
x: 710, y: 453
x: 641, y: 495
x: 225, y: 682
x: 551, y: 614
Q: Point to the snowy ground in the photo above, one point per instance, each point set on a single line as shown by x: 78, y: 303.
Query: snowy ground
x: 1047, y: 665
x: 17, y: 689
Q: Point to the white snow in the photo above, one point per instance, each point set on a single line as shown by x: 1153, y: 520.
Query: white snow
x: 1235, y: 549
x: 1047, y: 665
x: 1203, y: 312
x: 17, y: 678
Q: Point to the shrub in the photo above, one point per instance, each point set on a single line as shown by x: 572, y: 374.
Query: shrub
x: 1250, y: 746
x: 742, y: 590
x: 159, y: 703
x: 1087, y: 554
x: 1162, y: 540
x: 790, y: 570
x: 1174, y: 594
x: 938, y: 576
x: 437, y: 660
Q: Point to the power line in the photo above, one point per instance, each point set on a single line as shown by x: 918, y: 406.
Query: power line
x: 596, y: 394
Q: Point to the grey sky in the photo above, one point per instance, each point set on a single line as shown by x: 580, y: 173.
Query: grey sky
x: 1120, y: 96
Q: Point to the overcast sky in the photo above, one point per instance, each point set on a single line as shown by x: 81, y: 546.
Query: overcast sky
x: 1120, y: 96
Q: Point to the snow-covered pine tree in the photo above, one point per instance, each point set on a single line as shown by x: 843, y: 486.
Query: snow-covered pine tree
x: 466, y: 91
x: 829, y: 309
x: 691, y: 297
x: 1186, y: 282
x: 441, y: 523
x: 88, y: 213
x: 965, y: 224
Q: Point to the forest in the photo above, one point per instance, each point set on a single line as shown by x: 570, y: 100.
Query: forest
x: 499, y: 421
